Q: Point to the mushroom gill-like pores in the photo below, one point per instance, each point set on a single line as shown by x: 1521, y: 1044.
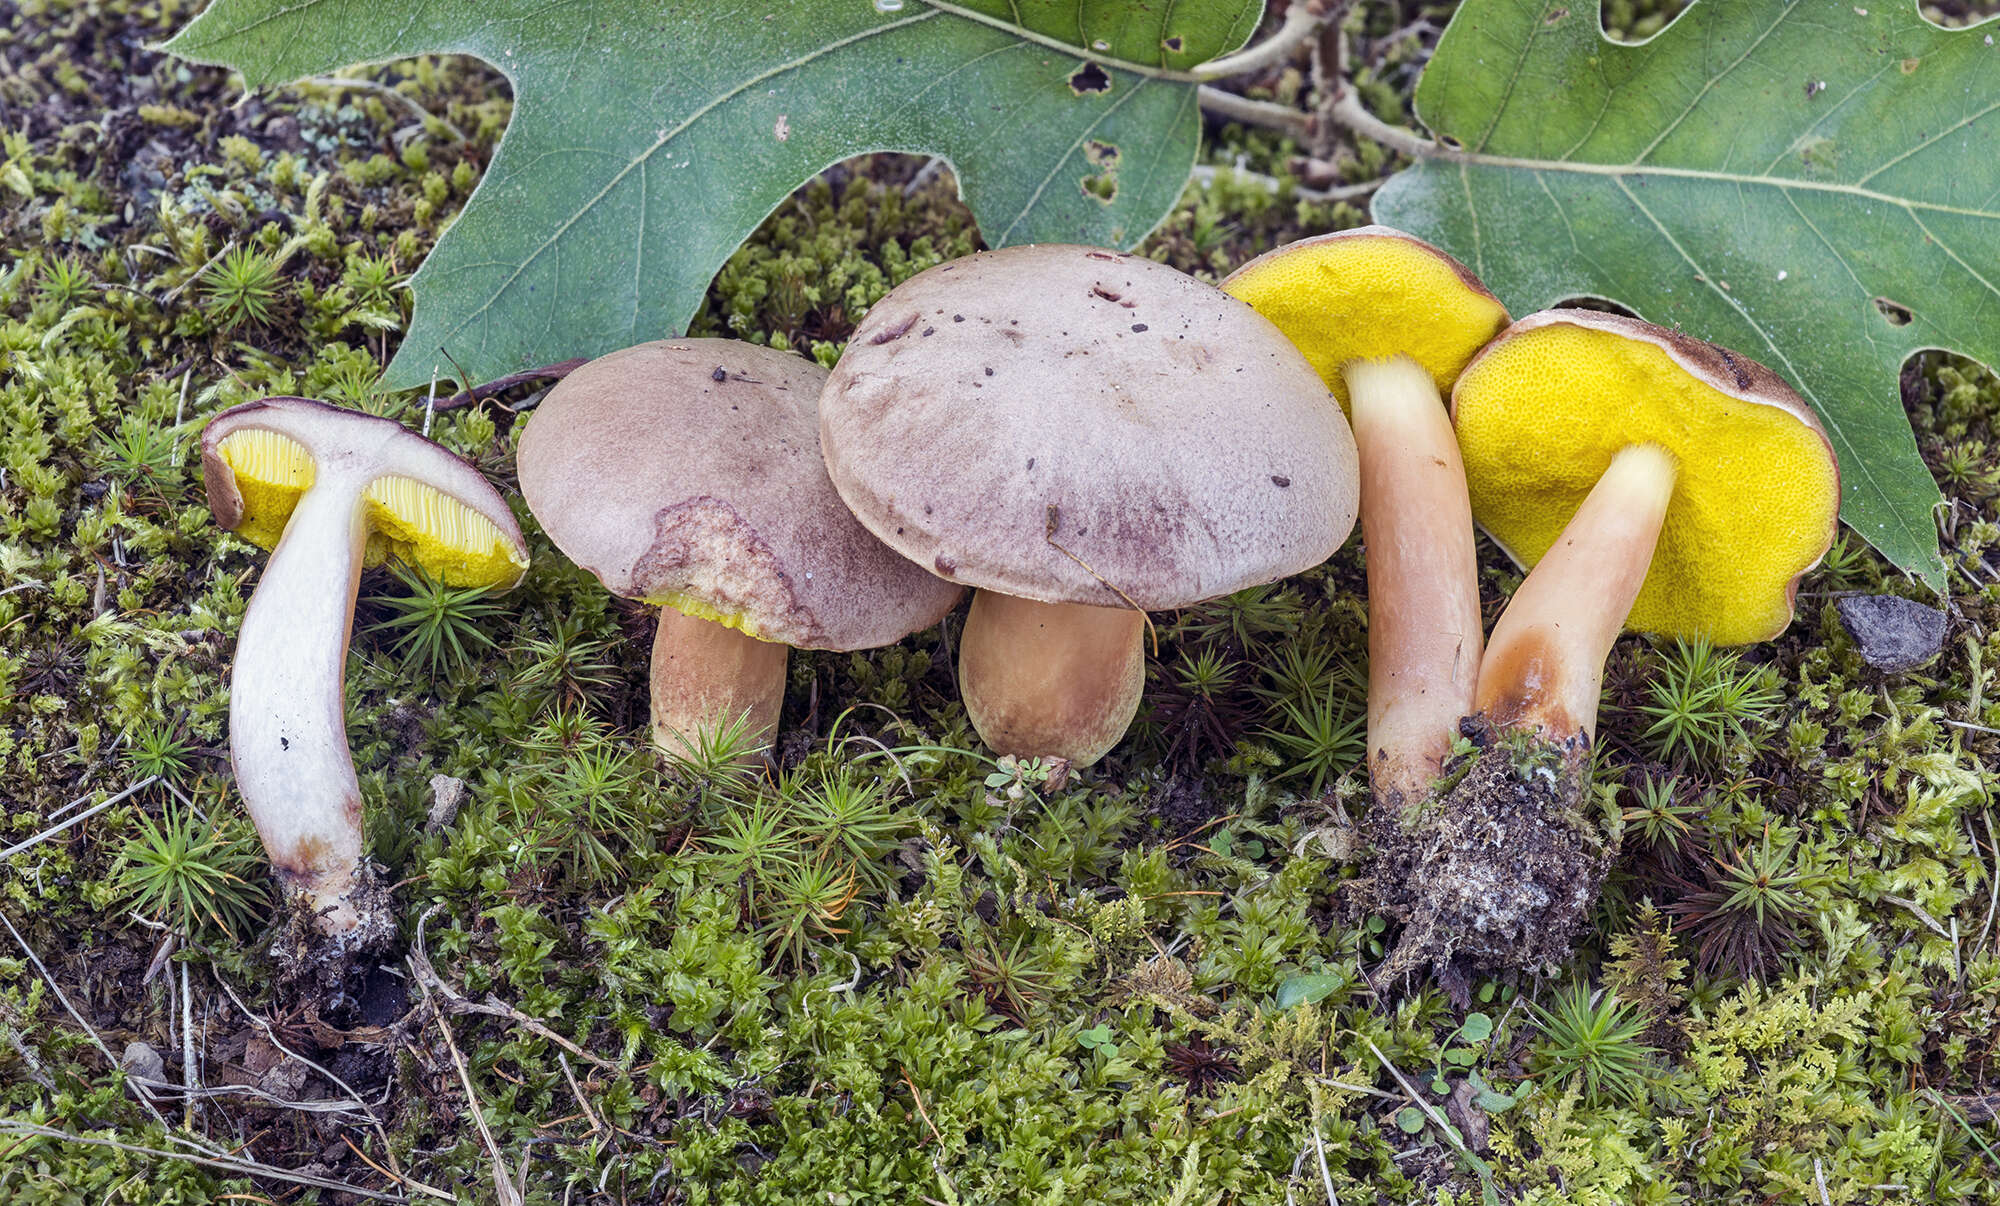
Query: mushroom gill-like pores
x: 1390, y: 321
x: 1653, y: 482
x: 1083, y: 436
x: 329, y: 491
x: 686, y: 473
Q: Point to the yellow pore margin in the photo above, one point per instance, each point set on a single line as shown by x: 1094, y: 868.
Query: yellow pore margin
x: 409, y: 521
x: 1369, y: 297
x: 701, y: 609
x: 1540, y: 417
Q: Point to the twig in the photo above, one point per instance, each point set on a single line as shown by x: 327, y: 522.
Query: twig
x: 925, y: 174
x: 398, y: 1178
x: 479, y: 393
x: 1916, y: 910
x: 502, y: 1188
x: 495, y: 1008
x: 1270, y: 116
x: 168, y: 297
x: 193, y: 1093
x: 918, y: 1097
x: 1977, y: 728
x: 1445, y: 1128
x: 79, y: 818
x: 1993, y: 882
x: 1348, y: 111
x: 1208, y: 174
x: 1302, y: 21
x: 336, y: 83
x: 420, y: 963
x: 577, y: 1089
x: 1319, y: 1151
x: 230, y: 1164
x: 190, y: 1070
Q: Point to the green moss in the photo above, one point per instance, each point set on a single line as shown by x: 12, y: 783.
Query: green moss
x: 899, y: 969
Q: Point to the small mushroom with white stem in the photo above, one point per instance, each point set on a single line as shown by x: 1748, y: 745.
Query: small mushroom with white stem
x: 1654, y: 483
x: 1390, y: 321
x: 1083, y: 436
x: 686, y: 473
x: 330, y: 491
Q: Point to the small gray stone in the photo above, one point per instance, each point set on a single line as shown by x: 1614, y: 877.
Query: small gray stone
x: 1893, y: 634
x: 447, y: 794
x: 143, y: 1061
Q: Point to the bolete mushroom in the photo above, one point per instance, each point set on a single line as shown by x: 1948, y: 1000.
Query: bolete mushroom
x: 1652, y: 482
x: 1389, y: 321
x: 687, y: 474
x: 329, y: 491
x: 1083, y: 436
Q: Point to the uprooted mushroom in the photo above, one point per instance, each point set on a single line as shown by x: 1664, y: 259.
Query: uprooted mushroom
x: 329, y: 491
x: 1390, y: 321
x: 1654, y: 483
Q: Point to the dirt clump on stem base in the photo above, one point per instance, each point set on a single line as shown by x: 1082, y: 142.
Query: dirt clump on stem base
x: 1498, y: 867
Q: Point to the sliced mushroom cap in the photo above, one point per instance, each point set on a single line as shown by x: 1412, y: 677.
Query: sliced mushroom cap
x: 424, y: 506
x: 1541, y: 413
x: 993, y: 408
x: 327, y: 490
x: 687, y: 473
x: 1369, y: 294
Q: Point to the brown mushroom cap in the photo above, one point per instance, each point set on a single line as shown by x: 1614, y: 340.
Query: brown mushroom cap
x: 688, y: 473
x: 991, y: 409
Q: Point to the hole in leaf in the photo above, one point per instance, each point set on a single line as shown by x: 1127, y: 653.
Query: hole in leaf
x: 1175, y: 43
x: 1586, y: 301
x: 1897, y: 314
x: 1633, y: 23
x: 1102, y: 154
x: 1089, y: 78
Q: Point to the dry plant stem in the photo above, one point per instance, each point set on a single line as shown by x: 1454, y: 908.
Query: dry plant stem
x: 1264, y: 114
x: 287, y: 716
x: 1302, y: 20
x: 1348, y: 111
x: 1544, y: 666
x: 707, y: 676
x: 1423, y: 586
x: 1050, y: 680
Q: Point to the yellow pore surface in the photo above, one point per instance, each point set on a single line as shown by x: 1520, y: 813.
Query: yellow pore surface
x: 1369, y: 297
x: 701, y: 609
x: 408, y: 520
x: 272, y: 472
x: 1540, y: 417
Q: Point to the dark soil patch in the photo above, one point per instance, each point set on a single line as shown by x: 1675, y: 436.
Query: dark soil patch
x: 1500, y: 871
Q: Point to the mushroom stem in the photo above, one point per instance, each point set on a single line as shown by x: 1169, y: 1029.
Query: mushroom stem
x: 706, y: 676
x: 1544, y: 666
x: 1050, y: 680
x: 1423, y: 585
x: 287, y: 711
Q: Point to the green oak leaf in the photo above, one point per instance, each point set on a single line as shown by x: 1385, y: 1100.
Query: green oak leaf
x: 650, y: 137
x: 1813, y: 184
